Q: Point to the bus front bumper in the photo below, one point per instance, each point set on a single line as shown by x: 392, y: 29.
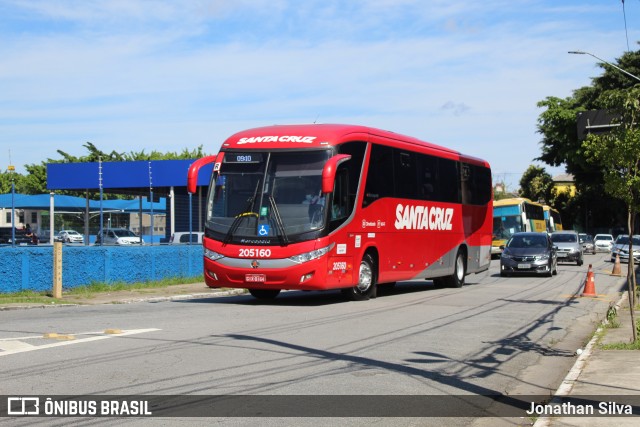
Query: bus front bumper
x: 321, y: 274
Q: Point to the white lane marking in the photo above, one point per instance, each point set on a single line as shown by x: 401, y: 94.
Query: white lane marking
x: 96, y: 336
x: 14, y: 345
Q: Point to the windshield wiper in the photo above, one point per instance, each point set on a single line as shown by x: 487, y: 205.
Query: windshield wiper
x: 248, y: 211
x: 284, y: 240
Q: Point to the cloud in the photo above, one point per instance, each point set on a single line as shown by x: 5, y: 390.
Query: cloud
x: 456, y: 108
x: 170, y: 74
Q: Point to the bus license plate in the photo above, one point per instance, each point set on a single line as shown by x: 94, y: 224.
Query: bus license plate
x: 255, y: 278
x: 524, y: 266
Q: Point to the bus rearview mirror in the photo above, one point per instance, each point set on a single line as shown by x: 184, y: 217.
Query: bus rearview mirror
x: 329, y: 171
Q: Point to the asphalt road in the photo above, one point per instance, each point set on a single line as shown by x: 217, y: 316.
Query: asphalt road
x: 514, y: 336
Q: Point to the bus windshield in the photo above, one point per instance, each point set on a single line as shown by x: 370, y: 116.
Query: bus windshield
x: 263, y: 195
x: 504, y: 227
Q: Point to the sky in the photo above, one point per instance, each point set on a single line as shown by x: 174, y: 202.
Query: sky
x: 134, y: 75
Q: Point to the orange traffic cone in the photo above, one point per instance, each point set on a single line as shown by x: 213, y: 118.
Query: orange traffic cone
x: 616, y: 267
x: 589, y: 284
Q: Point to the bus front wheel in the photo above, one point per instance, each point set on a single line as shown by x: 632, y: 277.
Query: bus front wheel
x: 366, y: 286
x: 264, y: 293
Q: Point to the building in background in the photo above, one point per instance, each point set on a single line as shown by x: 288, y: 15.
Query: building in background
x: 564, y: 183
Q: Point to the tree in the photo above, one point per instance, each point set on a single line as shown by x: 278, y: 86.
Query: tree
x: 557, y: 124
x: 561, y: 145
x: 5, y: 181
x: 536, y: 184
x: 618, y: 153
x: 35, y: 182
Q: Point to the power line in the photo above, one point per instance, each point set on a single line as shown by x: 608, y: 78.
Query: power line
x: 624, y: 14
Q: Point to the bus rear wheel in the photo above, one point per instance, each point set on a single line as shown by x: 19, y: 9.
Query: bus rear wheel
x: 366, y: 286
x: 264, y: 293
x: 456, y: 280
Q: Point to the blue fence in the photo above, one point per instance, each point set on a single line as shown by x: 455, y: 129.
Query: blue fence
x: 31, y: 267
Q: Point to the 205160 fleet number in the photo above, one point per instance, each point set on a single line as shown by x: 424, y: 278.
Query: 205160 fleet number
x: 255, y: 253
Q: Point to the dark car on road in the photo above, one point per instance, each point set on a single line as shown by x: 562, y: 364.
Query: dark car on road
x: 529, y: 252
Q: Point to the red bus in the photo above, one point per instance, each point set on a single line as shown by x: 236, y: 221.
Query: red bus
x: 317, y: 207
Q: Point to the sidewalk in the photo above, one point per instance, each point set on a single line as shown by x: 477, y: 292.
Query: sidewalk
x: 603, y: 373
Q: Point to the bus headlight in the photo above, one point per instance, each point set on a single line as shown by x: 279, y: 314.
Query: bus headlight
x: 213, y: 256
x: 308, y: 256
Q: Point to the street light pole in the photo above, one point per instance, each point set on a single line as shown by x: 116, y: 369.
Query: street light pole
x: 579, y: 52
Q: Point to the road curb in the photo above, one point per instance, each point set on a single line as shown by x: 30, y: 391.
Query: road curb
x: 224, y: 293
x: 570, y: 379
x: 25, y: 307
x: 231, y: 292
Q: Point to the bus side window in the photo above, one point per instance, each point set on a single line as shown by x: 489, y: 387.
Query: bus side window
x: 475, y: 180
x: 448, y: 180
x: 380, y: 177
x: 340, y: 207
x: 405, y: 175
x: 427, y: 185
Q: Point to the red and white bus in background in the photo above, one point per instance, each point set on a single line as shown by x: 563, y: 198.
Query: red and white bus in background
x: 317, y: 207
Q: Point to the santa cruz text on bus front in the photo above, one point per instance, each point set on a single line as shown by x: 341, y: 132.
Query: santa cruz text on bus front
x: 412, y: 217
x: 285, y: 138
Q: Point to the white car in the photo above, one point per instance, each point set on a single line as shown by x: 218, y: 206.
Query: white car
x: 118, y: 236
x: 603, y: 242
x: 69, y: 236
x: 182, y: 237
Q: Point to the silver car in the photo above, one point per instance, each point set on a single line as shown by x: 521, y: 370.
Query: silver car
x: 569, y: 246
x: 621, y: 248
x: 588, y: 247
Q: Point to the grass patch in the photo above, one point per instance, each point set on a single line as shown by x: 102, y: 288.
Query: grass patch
x: 612, y: 318
x: 88, y: 291
x: 612, y: 324
x: 622, y: 346
x: 99, y: 287
x: 28, y: 297
x: 625, y: 346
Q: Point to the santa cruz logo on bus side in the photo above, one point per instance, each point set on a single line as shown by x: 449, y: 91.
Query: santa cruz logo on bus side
x: 411, y: 217
x: 283, y: 138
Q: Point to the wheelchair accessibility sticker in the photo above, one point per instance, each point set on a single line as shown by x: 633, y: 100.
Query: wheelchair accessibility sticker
x: 263, y: 230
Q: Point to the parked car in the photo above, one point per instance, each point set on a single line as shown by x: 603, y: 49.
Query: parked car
x: 528, y: 252
x: 43, y: 236
x: 118, y: 236
x: 569, y: 247
x: 182, y: 237
x: 20, y: 236
x: 69, y: 236
x: 587, y: 243
x: 621, y: 248
x: 603, y: 242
